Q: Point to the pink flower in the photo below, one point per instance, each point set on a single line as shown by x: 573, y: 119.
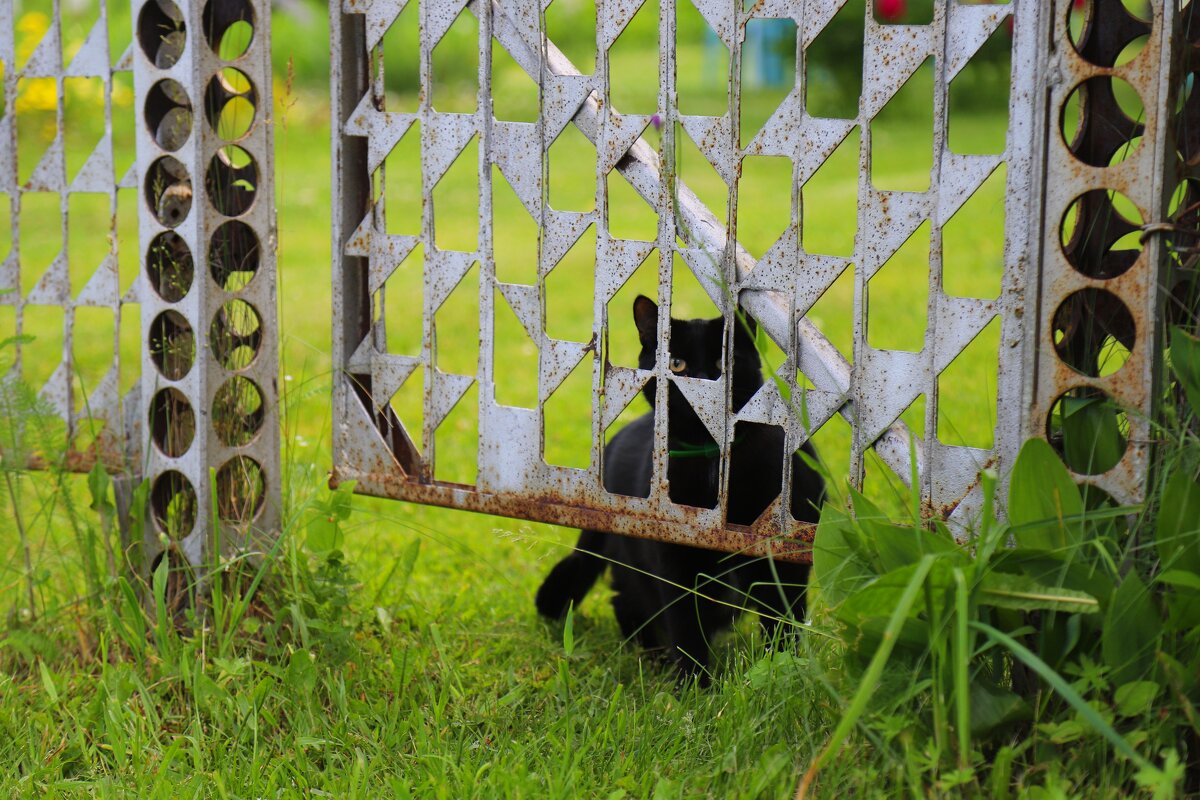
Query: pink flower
x: 891, y: 10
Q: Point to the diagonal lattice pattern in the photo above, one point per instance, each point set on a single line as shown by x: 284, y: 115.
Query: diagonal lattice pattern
x: 60, y: 187
x: 869, y: 386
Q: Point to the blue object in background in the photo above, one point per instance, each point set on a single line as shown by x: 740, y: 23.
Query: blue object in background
x: 766, y: 50
x: 767, y: 40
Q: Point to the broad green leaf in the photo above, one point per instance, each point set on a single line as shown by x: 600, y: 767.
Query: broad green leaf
x: 1135, y: 698
x: 993, y: 707
x: 1180, y: 579
x: 1131, y: 630
x: 776, y: 666
x: 1163, y: 784
x: 301, y: 676
x: 1058, y: 569
x: 98, y: 483
x: 870, y: 679
x: 341, y: 499
x: 1185, y: 361
x: 1041, y: 498
x: 1064, y: 732
x: 1183, y: 610
x: 912, y: 639
x: 48, y: 682
x: 1006, y: 590
x: 324, y: 535
x: 569, y: 631
x: 9, y: 341
x: 864, y: 508
x: 1177, y: 534
x: 840, y: 566
x: 877, y: 600
x: 208, y: 694
x: 901, y: 545
x: 1091, y: 437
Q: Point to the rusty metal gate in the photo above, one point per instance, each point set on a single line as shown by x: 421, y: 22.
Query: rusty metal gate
x: 1089, y: 181
x: 160, y: 269
x: 1099, y: 201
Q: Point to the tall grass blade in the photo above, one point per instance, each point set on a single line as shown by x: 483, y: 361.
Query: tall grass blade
x: 1056, y: 682
x: 962, y: 658
x: 870, y: 678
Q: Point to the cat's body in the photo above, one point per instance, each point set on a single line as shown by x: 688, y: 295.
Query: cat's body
x: 654, y: 581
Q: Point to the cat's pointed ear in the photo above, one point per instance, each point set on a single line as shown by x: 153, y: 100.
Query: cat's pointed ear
x: 645, y: 316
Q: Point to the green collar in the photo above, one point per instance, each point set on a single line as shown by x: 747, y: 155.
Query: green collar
x: 689, y: 450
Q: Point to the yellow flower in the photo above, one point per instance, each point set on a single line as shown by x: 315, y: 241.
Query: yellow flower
x: 37, y: 94
x: 31, y: 27
x: 122, y: 94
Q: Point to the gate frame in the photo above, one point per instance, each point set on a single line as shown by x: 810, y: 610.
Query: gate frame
x: 371, y: 447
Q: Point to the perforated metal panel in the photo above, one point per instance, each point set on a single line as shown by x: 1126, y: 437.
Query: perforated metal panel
x: 183, y: 244
x: 869, y: 386
x: 208, y: 295
x: 1110, y: 170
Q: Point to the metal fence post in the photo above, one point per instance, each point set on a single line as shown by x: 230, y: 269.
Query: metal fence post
x: 205, y: 171
x: 1096, y: 285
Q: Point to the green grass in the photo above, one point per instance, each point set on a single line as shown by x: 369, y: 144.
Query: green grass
x: 367, y: 679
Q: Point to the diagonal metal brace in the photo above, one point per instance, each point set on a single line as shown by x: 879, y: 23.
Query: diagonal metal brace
x: 818, y: 358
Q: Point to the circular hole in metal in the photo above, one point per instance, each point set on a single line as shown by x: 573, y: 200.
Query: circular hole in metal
x: 1094, y: 332
x: 1101, y: 233
x: 232, y: 180
x: 1108, y: 35
x: 1140, y: 9
x: 1088, y: 429
x: 169, y: 191
x: 1124, y: 151
x: 1099, y: 120
x: 169, y: 114
x: 235, y: 335
x: 161, y: 33
x: 241, y: 490
x: 173, y: 504
x: 172, y: 345
x: 169, y: 266
x: 230, y: 103
x: 1132, y: 50
x: 233, y: 255
x: 1183, y: 211
x: 238, y: 411
x: 228, y: 27
x: 172, y: 422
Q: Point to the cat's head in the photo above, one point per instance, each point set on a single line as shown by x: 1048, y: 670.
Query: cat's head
x: 695, y: 352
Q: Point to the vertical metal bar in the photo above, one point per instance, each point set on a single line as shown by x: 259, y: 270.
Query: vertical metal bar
x: 209, y: 381
x: 1082, y: 278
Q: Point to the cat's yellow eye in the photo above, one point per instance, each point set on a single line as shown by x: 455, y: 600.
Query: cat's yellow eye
x: 678, y: 365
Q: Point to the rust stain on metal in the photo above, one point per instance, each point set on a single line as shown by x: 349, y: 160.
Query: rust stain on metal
x: 870, y: 391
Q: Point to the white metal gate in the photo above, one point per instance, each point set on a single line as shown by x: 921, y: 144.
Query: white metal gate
x: 1067, y: 292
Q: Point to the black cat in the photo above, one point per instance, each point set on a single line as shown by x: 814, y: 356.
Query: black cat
x: 654, y: 581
